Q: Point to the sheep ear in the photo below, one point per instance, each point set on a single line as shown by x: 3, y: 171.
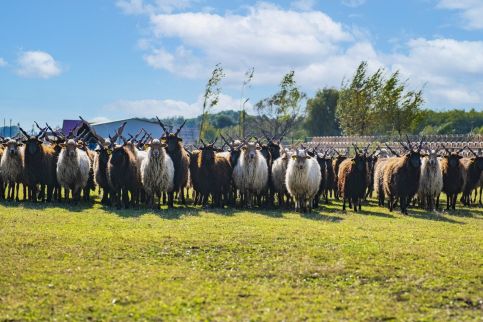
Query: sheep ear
x: 62, y: 145
x: 258, y: 147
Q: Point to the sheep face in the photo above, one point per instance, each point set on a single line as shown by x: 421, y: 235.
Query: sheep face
x: 453, y: 160
x: 479, y: 162
x: 119, y: 156
x: 173, y: 142
x: 300, y: 157
x: 414, y: 159
x: 207, y: 154
x: 71, y: 147
x: 12, y: 147
x: 274, y: 148
x: 32, y: 145
x: 359, y: 162
x: 251, y: 150
x: 156, y: 148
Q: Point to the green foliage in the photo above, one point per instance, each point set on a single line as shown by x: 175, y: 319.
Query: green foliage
x: 396, y: 107
x: 87, y: 263
x: 449, y: 122
x: 281, y: 111
x: 211, y: 96
x: 246, y: 84
x: 320, y: 119
x: 371, y: 104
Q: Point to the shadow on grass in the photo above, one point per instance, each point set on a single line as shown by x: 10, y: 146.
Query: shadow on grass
x: 79, y: 207
x: 466, y: 212
x: 435, y: 216
x: 320, y: 216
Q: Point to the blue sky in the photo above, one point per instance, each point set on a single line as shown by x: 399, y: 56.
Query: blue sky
x: 112, y: 59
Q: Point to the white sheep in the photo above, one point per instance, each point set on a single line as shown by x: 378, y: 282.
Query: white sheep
x: 73, y: 167
x: 250, y: 174
x: 430, y: 181
x: 378, y: 180
x: 157, y: 172
x: 279, y: 170
x: 303, y: 179
x: 11, y: 168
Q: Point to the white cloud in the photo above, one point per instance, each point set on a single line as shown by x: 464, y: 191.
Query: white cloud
x: 2, y: 62
x: 137, y: 7
x: 321, y: 50
x: 471, y: 11
x: 37, y: 64
x: 304, y: 5
x: 267, y: 37
x: 353, y: 3
x: 167, y: 107
x: 451, y: 69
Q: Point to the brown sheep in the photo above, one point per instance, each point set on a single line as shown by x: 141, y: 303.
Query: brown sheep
x: 453, y: 177
x: 39, y: 166
x: 180, y: 159
x: 352, y: 180
x: 401, y: 177
x: 473, y: 168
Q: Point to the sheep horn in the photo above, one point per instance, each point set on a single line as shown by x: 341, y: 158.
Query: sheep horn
x: 180, y: 127
x: 471, y: 150
x: 24, y: 133
x: 162, y: 125
x: 420, y: 144
x: 392, y: 151
x: 203, y: 142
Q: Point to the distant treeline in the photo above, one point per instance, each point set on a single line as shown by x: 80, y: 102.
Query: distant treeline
x: 367, y: 104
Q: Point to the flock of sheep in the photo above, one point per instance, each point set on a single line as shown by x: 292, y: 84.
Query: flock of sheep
x: 242, y: 173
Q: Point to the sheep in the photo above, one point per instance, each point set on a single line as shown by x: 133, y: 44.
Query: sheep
x: 180, y: 159
x: 124, y: 176
x: 303, y: 179
x: 214, y: 174
x: 73, y: 168
x: 430, y: 181
x: 279, y: 170
x: 194, y: 178
x: 11, y: 168
x: 2, y: 184
x: 101, y: 161
x: 321, y: 160
x: 473, y: 168
x: 335, y: 165
x: 250, y: 174
x: 157, y: 172
x: 352, y: 180
x: 330, y: 184
x: 453, y: 177
x: 401, y: 177
x: 378, y: 180
x: 39, y: 166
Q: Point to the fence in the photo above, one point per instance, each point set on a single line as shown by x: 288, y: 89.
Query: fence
x: 450, y: 141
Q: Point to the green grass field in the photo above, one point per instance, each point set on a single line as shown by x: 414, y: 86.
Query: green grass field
x: 87, y: 263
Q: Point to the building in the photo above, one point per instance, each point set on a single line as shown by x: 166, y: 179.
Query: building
x: 189, y: 132
x: 9, y: 131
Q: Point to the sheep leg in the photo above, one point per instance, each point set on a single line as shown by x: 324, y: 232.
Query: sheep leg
x: 170, y: 199
x: 343, y: 204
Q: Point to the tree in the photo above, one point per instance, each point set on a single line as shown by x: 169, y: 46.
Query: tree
x: 321, y: 119
x: 212, y: 94
x: 396, y: 107
x: 355, y: 107
x: 278, y: 113
x: 243, y: 100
